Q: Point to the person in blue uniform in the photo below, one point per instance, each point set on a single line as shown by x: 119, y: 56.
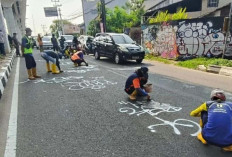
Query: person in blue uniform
x: 134, y: 84
x: 216, y: 121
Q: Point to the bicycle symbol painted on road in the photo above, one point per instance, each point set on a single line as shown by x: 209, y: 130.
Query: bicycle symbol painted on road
x: 154, y: 109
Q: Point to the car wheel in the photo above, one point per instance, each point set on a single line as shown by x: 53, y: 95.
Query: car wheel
x: 97, y: 55
x: 139, y: 61
x: 117, y: 59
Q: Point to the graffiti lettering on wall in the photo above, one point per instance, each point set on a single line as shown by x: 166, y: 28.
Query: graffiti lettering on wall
x: 154, y: 109
x: 198, y: 37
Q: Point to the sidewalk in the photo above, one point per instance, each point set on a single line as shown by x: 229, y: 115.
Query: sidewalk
x: 191, y: 76
x: 6, y: 64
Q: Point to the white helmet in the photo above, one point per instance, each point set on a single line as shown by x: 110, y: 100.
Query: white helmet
x: 218, y: 94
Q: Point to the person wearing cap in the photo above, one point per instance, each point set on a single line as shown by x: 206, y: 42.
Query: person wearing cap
x: 27, y: 52
x: 216, y: 121
x: 16, y: 43
x: 134, y: 84
x: 54, y: 58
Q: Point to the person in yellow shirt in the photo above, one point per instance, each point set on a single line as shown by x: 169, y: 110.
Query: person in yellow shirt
x: 216, y: 121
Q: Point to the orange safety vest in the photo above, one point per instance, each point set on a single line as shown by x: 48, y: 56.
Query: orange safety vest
x: 75, y: 56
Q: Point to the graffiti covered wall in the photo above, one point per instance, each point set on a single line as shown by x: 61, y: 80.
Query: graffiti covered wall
x: 198, y: 37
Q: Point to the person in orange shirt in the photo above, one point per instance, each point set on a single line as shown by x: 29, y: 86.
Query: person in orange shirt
x: 39, y: 39
x: 77, y: 58
x: 135, y: 82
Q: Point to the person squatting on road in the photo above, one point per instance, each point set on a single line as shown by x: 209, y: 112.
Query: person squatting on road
x: 29, y: 59
x: 135, y: 84
x: 67, y: 51
x: 77, y: 58
x: 54, y: 58
x: 216, y: 121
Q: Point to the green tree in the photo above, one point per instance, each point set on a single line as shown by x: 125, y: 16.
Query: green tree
x: 56, y: 26
x: 118, y: 19
x: 94, y: 27
x: 165, y: 16
x: 135, y: 8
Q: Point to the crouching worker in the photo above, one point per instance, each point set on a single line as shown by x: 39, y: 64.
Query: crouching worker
x: 54, y: 58
x: 77, y: 58
x: 134, y: 84
x: 216, y: 121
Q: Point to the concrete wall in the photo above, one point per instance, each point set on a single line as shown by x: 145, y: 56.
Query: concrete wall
x: 90, y: 9
x: 198, y: 37
x: 14, y: 12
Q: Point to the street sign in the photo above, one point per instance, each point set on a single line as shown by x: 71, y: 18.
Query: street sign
x: 50, y: 11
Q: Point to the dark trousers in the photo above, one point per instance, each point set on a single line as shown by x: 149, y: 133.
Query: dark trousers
x: 55, y: 48
x: 17, y: 50
x: 2, y: 49
x: 130, y: 90
x: 78, y: 61
x: 30, y: 61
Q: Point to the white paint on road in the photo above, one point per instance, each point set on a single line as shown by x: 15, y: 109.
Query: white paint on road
x: 154, y: 108
x: 78, y: 82
x: 82, y: 69
x: 10, y: 150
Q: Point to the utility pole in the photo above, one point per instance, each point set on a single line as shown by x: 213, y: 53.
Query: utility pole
x: 62, y: 24
x: 44, y: 28
x: 227, y: 30
x: 34, y: 25
x: 59, y: 13
x: 103, y: 14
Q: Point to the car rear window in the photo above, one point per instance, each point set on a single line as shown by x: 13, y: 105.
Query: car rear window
x: 46, y: 39
x: 122, y: 39
x: 68, y: 37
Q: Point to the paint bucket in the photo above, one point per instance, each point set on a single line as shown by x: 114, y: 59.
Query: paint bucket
x: 148, y: 88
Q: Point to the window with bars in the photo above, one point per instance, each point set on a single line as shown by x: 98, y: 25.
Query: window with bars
x: 213, y: 3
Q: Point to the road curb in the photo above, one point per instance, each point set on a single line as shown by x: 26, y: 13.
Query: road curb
x: 5, y: 71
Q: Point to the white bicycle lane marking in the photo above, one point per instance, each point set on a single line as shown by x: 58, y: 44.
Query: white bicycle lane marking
x: 154, y: 109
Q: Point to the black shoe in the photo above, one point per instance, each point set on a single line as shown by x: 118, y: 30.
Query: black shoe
x: 86, y: 64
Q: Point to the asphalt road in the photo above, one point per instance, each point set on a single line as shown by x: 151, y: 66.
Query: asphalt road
x: 85, y: 112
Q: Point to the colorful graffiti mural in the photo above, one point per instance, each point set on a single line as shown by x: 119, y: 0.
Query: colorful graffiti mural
x: 198, y: 37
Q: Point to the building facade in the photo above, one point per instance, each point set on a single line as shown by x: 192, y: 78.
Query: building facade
x: 12, y: 19
x: 195, y: 8
x: 90, y: 9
